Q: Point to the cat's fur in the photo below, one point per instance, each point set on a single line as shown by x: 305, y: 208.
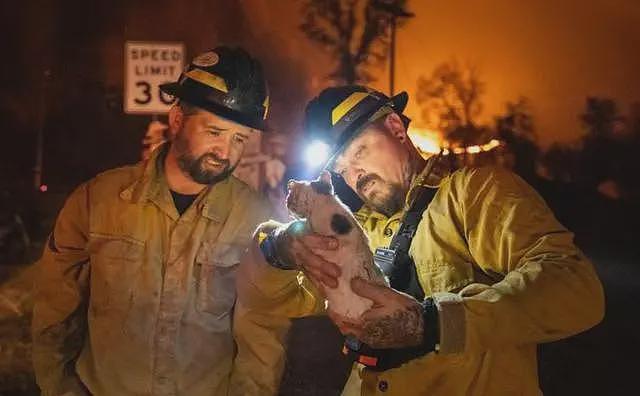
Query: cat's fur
x: 326, y: 215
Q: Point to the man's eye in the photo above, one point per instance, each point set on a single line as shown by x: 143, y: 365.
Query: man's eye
x: 214, y: 132
x: 239, y: 138
x: 360, y: 152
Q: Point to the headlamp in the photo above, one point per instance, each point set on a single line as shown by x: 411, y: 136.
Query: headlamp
x: 316, y: 154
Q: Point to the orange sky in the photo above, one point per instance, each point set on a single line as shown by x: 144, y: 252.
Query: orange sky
x: 553, y: 52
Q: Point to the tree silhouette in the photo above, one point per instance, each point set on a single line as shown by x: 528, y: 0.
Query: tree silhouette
x: 518, y: 119
x: 600, y: 117
x: 629, y: 154
x: 561, y: 163
x: 516, y: 129
x: 633, y: 121
x: 451, y: 103
x: 450, y: 98
x: 600, y: 147
x: 355, y: 32
x: 606, y: 153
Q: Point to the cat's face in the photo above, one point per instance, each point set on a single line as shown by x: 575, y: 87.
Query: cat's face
x: 304, y: 195
x: 316, y: 201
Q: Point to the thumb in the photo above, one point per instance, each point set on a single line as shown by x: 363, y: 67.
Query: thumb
x: 374, y: 292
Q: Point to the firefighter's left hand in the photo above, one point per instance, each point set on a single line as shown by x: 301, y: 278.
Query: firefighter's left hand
x: 394, y: 321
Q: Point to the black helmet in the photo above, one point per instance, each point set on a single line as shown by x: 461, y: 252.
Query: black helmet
x: 227, y: 82
x: 338, y: 114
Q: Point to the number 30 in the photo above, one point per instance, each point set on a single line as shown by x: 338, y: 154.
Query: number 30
x: 146, y: 94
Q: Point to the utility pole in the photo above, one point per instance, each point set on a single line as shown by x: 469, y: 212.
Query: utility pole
x: 395, y: 10
x: 392, y: 57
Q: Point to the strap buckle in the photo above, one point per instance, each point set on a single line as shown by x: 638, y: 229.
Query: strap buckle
x: 384, y: 258
x: 352, y: 347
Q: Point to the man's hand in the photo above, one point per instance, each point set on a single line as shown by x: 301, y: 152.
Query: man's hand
x: 394, y: 321
x: 299, y: 248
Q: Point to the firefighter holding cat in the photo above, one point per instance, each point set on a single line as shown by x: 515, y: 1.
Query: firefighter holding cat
x: 490, y: 273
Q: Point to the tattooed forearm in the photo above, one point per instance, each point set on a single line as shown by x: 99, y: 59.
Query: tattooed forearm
x: 403, y: 327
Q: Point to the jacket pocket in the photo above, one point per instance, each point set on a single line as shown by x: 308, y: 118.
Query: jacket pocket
x: 115, y: 264
x: 215, y: 273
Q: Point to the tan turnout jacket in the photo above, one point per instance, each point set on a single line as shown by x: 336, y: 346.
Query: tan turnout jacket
x: 133, y: 299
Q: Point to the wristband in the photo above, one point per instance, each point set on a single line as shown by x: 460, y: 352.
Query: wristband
x: 431, y: 333
x: 268, y: 248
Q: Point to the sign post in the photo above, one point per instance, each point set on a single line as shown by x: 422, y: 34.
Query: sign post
x: 147, y: 65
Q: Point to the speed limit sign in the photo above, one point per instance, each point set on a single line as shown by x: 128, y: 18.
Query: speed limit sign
x: 148, y: 65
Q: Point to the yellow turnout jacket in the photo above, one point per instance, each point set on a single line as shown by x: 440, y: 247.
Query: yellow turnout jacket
x: 504, y: 273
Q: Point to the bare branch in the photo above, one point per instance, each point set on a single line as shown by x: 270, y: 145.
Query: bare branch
x: 450, y: 98
x: 333, y: 24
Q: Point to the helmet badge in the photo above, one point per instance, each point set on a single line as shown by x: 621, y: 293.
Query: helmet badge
x: 206, y: 59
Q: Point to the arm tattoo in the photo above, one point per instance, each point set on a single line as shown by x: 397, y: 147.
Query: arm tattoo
x: 402, y: 328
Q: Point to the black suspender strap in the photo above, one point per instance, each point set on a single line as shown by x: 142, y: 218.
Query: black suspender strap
x: 396, y: 263
x: 403, y: 275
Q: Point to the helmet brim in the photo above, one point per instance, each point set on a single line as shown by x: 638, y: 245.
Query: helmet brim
x: 398, y: 103
x: 177, y: 90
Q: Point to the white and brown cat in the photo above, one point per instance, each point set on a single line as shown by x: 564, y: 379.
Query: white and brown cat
x: 316, y: 203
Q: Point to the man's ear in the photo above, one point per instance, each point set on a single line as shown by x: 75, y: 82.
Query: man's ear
x: 176, y: 119
x: 395, y: 126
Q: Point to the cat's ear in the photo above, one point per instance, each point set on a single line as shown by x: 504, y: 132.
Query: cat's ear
x: 325, y: 177
x: 322, y: 185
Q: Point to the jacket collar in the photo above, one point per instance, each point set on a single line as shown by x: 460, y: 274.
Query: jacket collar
x: 435, y: 170
x: 433, y: 173
x: 147, y: 181
x: 214, y: 202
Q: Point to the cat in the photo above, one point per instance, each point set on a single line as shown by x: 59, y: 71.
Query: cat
x: 325, y: 214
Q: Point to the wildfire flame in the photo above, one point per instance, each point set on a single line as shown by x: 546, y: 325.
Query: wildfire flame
x: 429, y: 142
x: 425, y: 140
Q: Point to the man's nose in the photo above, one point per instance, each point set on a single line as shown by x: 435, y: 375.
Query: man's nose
x: 223, y: 150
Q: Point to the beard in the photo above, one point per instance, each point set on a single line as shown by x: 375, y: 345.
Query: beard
x: 384, y: 197
x: 197, y: 168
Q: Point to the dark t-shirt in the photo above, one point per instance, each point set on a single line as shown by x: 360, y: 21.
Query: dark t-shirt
x: 182, y: 201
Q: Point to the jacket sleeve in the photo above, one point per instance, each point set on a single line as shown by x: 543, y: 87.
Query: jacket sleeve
x: 61, y: 295
x: 548, y: 288
x: 267, y: 298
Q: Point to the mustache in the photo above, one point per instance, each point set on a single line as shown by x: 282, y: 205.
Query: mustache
x: 366, y: 179
x: 215, y: 158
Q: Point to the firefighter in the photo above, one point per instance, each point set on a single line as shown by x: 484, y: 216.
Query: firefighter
x: 136, y: 283
x: 480, y: 270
